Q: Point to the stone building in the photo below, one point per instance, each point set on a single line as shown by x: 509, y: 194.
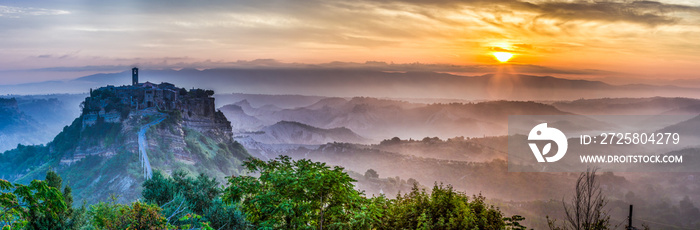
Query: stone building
x: 111, y: 102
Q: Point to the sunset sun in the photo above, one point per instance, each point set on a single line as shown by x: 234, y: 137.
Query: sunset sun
x: 502, y: 56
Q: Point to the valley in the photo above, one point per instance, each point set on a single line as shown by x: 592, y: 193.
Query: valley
x: 385, y: 144
x: 476, y: 164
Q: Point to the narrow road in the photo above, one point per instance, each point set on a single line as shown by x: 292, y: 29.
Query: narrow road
x: 143, y: 145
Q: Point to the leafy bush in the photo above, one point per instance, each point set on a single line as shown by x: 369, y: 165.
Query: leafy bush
x: 296, y: 195
x: 120, y: 216
x: 158, y: 190
x: 308, y: 195
x: 225, y: 216
x: 188, y: 201
x: 39, y: 205
x: 199, y: 192
x: 444, y: 208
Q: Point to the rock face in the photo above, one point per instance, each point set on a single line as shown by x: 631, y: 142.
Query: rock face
x: 201, y: 114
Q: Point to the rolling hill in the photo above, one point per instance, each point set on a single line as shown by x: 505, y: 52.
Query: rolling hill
x: 290, y: 132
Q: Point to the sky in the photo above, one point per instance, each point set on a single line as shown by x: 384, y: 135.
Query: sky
x: 57, y: 40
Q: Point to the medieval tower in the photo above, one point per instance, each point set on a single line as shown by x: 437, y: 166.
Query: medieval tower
x: 135, y: 76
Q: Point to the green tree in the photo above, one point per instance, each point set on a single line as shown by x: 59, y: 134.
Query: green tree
x: 68, y: 217
x: 53, y: 179
x: 158, y: 189
x: 144, y: 216
x: 371, y: 174
x: 297, y: 195
x: 79, y: 218
x: 181, y: 195
x: 41, y: 205
x: 137, y: 215
x: 10, y: 209
x: 198, y: 192
x: 513, y: 222
x: 444, y: 208
x: 225, y: 216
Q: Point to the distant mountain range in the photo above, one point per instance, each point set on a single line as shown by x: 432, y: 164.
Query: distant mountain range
x: 290, y: 132
x: 364, y: 82
x: 285, y: 101
x: 242, y: 122
x: 632, y: 106
x: 380, y: 119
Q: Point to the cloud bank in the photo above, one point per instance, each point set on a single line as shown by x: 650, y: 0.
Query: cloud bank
x: 617, y: 36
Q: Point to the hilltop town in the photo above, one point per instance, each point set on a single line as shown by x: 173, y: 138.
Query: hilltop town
x: 127, y: 107
x: 115, y: 103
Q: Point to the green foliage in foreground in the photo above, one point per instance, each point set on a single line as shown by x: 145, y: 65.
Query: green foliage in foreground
x: 191, y: 202
x: 199, y: 192
x: 442, y: 209
x: 303, y: 194
x: 297, y: 195
x: 287, y: 194
x: 137, y: 215
x: 39, y: 205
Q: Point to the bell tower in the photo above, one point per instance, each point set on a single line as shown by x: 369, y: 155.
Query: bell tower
x: 135, y: 76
